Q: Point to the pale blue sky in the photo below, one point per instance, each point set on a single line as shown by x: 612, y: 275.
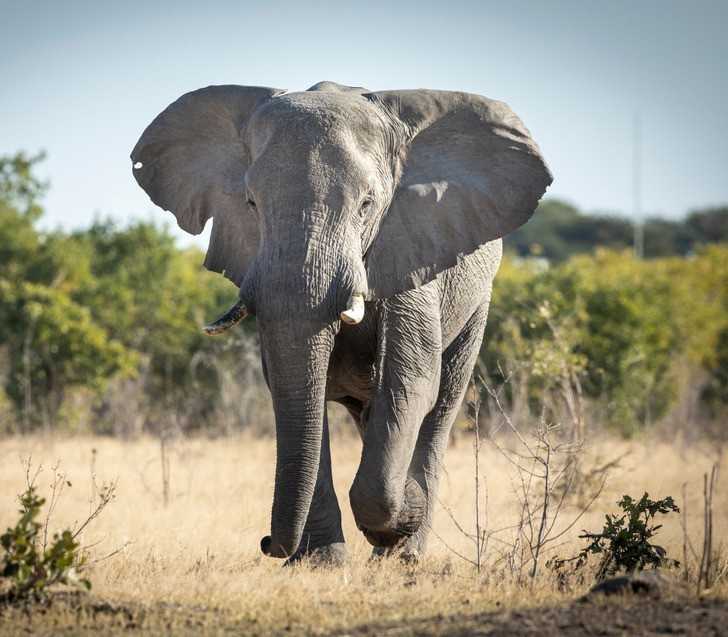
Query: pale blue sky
x: 82, y: 80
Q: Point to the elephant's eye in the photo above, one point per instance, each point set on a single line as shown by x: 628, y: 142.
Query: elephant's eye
x: 250, y: 202
x: 366, y: 205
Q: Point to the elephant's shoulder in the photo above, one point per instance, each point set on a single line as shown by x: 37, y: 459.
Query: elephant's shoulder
x: 466, y: 286
x: 473, y: 271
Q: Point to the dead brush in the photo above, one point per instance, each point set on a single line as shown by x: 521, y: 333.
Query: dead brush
x: 709, y: 567
x: 543, y: 478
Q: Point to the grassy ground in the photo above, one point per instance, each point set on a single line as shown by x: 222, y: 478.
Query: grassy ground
x: 194, y: 565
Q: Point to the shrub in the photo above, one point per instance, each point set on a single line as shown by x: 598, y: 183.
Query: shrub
x: 627, y: 326
x: 624, y: 543
x: 29, y: 569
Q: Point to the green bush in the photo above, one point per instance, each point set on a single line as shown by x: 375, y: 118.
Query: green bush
x: 82, y: 312
x: 625, y: 542
x: 624, y: 324
x: 30, y: 569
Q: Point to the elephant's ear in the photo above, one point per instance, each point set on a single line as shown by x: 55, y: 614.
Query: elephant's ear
x: 470, y: 173
x: 191, y: 160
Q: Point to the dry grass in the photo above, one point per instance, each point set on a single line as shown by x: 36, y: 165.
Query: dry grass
x: 197, y: 560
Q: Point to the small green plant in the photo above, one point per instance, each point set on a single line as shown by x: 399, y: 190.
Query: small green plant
x: 29, y: 569
x: 624, y: 543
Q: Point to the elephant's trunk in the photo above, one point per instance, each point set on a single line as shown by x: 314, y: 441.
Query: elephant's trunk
x: 296, y: 368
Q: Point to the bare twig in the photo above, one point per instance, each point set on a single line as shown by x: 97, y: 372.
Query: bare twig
x: 59, y: 482
x: 106, y: 494
x: 706, y: 570
x: 28, y: 464
x: 687, y: 543
x: 164, y: 457
x: 454, y: 551
x: 545, y: 508
x: 579, y: 515
x: 112, y: 554
x: 476, y: 427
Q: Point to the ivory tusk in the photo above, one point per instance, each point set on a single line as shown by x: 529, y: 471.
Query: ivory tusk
x: 230, y: 319
x: 355, y: 312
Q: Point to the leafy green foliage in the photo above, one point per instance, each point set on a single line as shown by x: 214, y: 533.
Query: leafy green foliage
x: 19, y: 187
x: 31, y: 569
x: 102, y: 324
x: 625, y: 542
x: 714, y: 394
x: 626, y: 326
x: 82, y: 312
x: 68, y: 346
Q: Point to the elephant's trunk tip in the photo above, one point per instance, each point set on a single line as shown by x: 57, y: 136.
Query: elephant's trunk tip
x: 354, y: 313
x: 271, y: 550
x: 230, y: 319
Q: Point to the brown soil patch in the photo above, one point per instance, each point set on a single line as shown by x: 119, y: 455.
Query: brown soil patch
x: 624, y: 616
x: 630, y: 615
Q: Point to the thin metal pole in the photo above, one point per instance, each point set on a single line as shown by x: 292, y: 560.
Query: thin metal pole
x: 639, y: 232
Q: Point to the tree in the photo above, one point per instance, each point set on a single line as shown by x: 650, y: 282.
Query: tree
x: 625, y: 324
x: 559, y: 230
x: 708, y: 225
x: 51, y: 342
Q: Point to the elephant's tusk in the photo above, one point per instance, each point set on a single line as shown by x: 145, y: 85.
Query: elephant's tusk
x: 355, y: 312
x: 230, y: 319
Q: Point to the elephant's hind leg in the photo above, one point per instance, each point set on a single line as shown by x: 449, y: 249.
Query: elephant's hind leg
x: 458, y: 361
x: 323, y: 538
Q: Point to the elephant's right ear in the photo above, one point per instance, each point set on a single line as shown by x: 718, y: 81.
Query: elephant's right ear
x: 191, y: 160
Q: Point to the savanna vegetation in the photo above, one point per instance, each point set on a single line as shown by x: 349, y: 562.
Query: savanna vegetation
x: 99, y: 328
x: 193, y: 566
x: 561, y: 230
x: 136, y: 454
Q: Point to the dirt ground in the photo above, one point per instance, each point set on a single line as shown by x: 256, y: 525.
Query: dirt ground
x: 628, y: 615
x: 618, y: 617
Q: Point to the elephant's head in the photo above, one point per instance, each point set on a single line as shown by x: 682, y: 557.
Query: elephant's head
x: 325, y: 198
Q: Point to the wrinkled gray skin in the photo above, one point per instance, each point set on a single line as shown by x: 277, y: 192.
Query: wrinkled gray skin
x: 400, y: 196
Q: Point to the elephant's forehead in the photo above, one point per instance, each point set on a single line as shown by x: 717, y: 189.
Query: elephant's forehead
x: 314, y: 118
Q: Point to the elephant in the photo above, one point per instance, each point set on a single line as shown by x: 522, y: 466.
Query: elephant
x: 363, y: 230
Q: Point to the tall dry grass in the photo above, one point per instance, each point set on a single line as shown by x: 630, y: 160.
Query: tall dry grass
x: 201, y: 550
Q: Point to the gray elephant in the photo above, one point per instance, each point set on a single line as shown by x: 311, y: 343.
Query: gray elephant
x: 363, y: 231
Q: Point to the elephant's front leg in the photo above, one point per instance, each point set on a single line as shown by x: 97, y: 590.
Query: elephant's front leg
x: 389, y: 505
x: 323, y: 538
x: 458, y: 361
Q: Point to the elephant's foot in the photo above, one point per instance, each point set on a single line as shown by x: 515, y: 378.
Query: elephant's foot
x: 403, y: 553
x: 394, y: 535
x: 328, y: 555
x: 414, y: 546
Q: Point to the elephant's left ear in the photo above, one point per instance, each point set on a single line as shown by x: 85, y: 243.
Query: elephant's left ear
x: 191, y: 160
x: 471, y: 173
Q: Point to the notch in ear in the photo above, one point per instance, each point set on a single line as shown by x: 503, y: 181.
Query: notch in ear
x: 191, y: 160
x: 471, y: 173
